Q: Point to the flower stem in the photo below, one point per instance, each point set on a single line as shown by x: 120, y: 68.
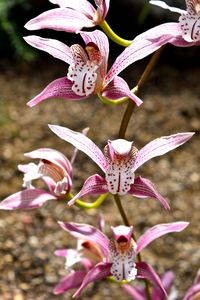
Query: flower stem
x: 113, y: 36
x: 108, y: 101
x: 121, y: 209
x: 86, y: 205
x: 131, y: 105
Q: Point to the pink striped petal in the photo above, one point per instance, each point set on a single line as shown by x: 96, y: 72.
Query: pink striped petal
x: 71, y: 281
x: 133, y: 292
x: 53, y: 156
x: 103, y: 7
x: 61, y: 252
x: 180, y: 42
x: 81, y: 142
x: 145, y: 271
x: 61, y: 19
x: 143, y: 45
x: 26, y: 199
x: 100, y: 39
x: 59, y: 88
x: 94, y: 185
x: 88, y: 233
x: 82, y: 6
x: 172, y: 29
x: 193, y: 293
x: 143, y: 188
x: 160, y: 146
x: 53, y: 47
x: 158, y: 231
x: 118, y: 88
x: 167, y: 281
x: 99, y: 272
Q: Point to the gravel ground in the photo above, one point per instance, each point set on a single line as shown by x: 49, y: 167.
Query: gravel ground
x: 29, y: 270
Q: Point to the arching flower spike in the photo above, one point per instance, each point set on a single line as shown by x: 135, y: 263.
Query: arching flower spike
x: 71, y: 16
x: 119, y: 163
x: 189, y: 21
x: 54, y: 169
x: 101, y: 257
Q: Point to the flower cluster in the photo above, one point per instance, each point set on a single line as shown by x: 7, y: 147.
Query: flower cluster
x: 98, y: 256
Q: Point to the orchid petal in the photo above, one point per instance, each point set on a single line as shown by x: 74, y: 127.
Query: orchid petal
x: 26, y: 199
x: 99, y: 272
x: 81, y: 142
x: 143, y: 45
x: 147, y: 272
x: 167, y: 281
x: 101, y: 41
x: 158, y: 231
x: 53, y: 156
x: 190, y: 25
x: 94, y: 185
x: 61, y: 19
x: 160, y: 32
x: 83, y: 6
x: 143, y: 188
x: 88, y: 233
x: 193, y: 293
x: 165, y: 6
x: 103, y: 7
x: 61, y: 252
x: 160, y: 146
x: 59, y: 88
x: 72, y: 257
x: 118, y: 88
x: 71, y: 281
x: 85, y: 132
x: 53, y: 47
x: 133, y: 292
x: 101, y: 223
x: 180, y: 42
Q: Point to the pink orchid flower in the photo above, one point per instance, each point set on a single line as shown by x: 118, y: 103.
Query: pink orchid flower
x: 138, y: 292
x: 71, y: 16
x: 54, y: 169
x: 101, y: 257
x: 189, y: 21
x: 87, y: 69
x: 193, y: 292
x: 87, y: 73
x: 119, y: 163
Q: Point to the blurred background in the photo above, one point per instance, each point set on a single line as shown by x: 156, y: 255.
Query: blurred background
x: 28, y: 268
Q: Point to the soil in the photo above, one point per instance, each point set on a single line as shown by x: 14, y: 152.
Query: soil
x: 28, y: 267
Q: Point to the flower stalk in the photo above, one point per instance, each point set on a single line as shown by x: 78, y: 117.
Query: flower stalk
x: 113, y: 36
x: 85, y: 205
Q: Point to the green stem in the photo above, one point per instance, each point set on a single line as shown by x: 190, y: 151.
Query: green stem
x: 113, y: 36
x: 86, y: 205
x: 131, y: 105
x: 108, y: 101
